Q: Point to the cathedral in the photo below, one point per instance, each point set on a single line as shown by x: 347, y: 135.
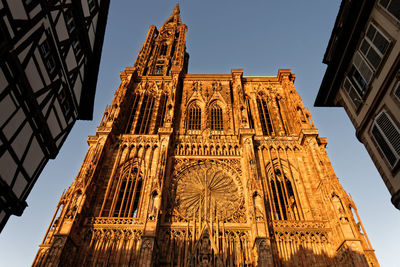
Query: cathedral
x: 204, y: 170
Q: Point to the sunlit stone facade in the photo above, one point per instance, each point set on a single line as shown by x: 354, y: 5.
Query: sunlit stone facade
x: 204, y: 170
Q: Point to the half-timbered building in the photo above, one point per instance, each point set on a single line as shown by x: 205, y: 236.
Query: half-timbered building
x: 49, y: 60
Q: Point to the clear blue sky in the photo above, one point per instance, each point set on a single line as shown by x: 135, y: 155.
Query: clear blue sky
x: 258, y: 36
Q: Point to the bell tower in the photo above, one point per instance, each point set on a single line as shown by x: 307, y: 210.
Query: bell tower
x: 164, y: 49
x: 204, y: 170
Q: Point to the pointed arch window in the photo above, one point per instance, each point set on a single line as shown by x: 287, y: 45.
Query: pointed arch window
x: 163, y: 50
x: 283, y: 197
x: 127, y: 195
x: 144, y: 119
x: 136, y: 99
x: 216, y: 118
x: 266, y: 123
x: 194, y: 117
x: 161, y: 112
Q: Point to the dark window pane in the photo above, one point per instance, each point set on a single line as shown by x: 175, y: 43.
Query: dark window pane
x: 371, y: 32
x: 373, y: 58
x: 364, y: 47
x: 394, y: 8
x: 381, y: 43
x: 361, y: 84
x: 384, y: 3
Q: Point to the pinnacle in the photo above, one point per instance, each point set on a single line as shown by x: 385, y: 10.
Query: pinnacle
x: 176, y: 9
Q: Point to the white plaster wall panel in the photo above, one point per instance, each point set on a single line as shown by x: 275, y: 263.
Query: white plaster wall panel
x: 33, y: 76
x: 8, y: 167
x: 33, y: 158
x: 70, y: 59
x: 17, y: 9
x: 60, y: 114
x: 78, y: 90
x: 19, y: 185
x: 61, y: 29
x: 20, y: 143
x: 53, y: 124
x: 14, y: 123
x: 8, y: 107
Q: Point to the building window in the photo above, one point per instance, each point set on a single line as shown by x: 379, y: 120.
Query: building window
x: 161, y: 112
x: 194, y: 118
x: 159, y: 69
x: 397, y: 90
x: 91, y: 5
x: 284, y: 201
x: 374, y: 46
x: 144, y: 119
x: 387, y: 137
x: 64, y: 102
x: 163, y: 50
x: 76, y: 46
x: 128, y: 195
x: 365, y: 62
x: 391, y: 6
x: 48, y: 58
x: 69, y: 20
x: 265, y: 119
x: 216, y: 118
x: 30, y: 4
x: 136, y: 99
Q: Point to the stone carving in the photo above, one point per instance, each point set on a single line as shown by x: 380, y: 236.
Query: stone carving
x: 206, y: 187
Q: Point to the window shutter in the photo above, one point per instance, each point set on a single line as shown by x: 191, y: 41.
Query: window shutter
x: 397, y: 90
x: 387, y: 135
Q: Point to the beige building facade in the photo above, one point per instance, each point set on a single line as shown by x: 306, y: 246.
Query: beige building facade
x: 363, y: 76
x: 204, y: 170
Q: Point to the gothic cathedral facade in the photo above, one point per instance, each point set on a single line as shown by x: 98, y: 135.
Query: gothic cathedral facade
x: 204, y: 170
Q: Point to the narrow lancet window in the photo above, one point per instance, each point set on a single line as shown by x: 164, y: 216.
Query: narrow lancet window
x: 163, y: 50
x: 144, y: 119
x: 127, y: 195
x: 194, y: 118
x: 216, y: 118
x: 135, y: 102
x: 284, y: 199
x: 161, y: 113
x: 265, y: 119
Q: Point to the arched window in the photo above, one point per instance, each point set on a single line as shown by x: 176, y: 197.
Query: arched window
x: 136, y: 99
x: 301, y: 115
x: 216, y: 118
x: 143, y: 121
x: 161, y: 112
x: 284, y: 200
x: 127, y: 195
x: 266, y: 123
x: 194, y: 117
x: 163, y: 50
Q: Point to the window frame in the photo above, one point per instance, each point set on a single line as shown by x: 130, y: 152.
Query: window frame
x: 194, y: 122
x: 216, y: 118
x: 396, y: 90
x: 48, y: 58
x: 387, y: 10
x: 372, y: 45
x: 385, y: 138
